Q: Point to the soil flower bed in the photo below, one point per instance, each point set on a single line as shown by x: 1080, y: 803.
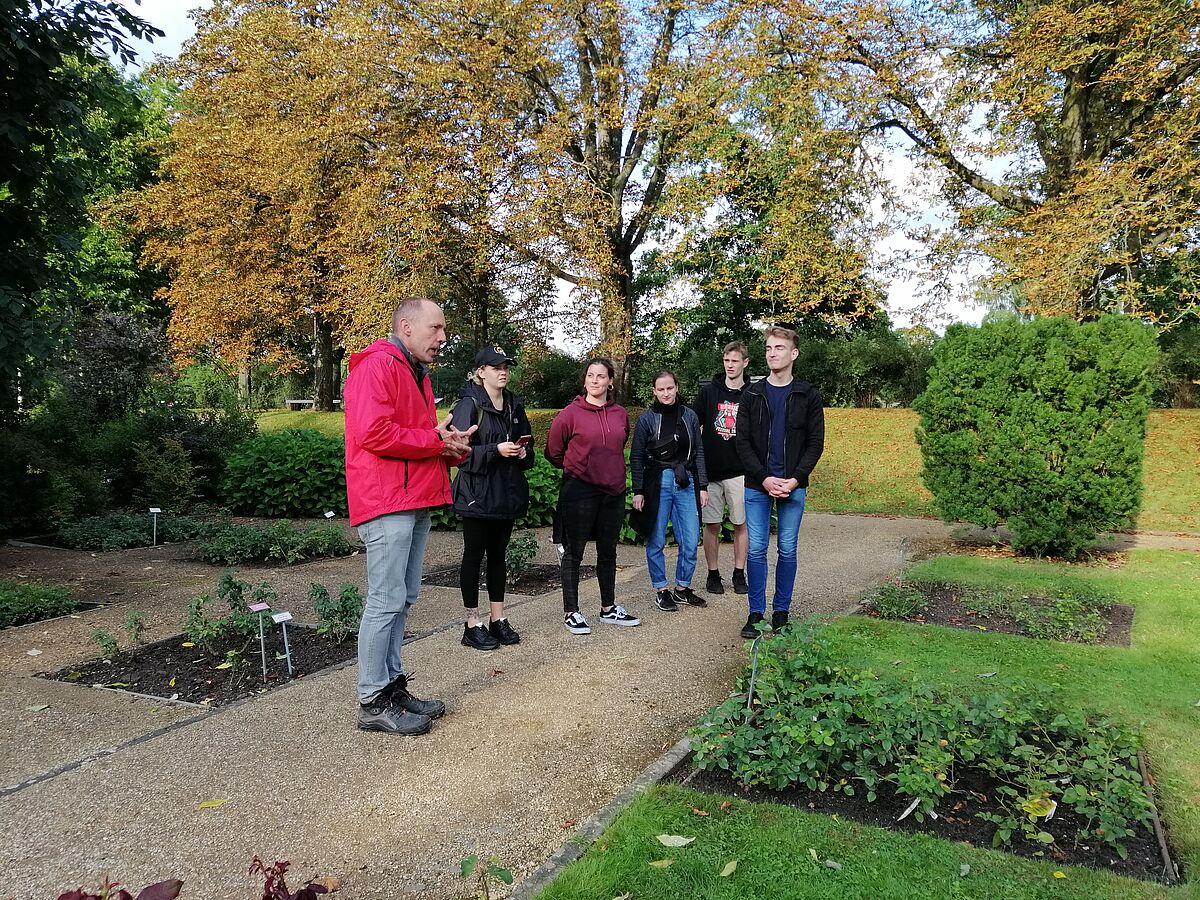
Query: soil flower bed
x: 176, y: 669
x: 1074, y: 616
x: 1006, y: 764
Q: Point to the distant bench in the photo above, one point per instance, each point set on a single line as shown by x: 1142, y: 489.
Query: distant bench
x: 295, y: 405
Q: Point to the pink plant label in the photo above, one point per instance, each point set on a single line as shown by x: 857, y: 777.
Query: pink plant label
x: 259, y: 607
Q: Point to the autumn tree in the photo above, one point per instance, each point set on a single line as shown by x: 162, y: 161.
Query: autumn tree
x: 269, y: 141
x: 1066, y: 130
x: 575, y: 115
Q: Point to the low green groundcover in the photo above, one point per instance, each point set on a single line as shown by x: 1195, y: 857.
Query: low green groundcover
x: 22, y: 603
x: 818, y: 718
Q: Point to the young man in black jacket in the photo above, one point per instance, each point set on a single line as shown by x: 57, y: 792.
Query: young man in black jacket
x: 717, y: 406
x: 780, y: 436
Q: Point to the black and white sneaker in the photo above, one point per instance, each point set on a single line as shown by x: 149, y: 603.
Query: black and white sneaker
x: 577, y: 624
x: 664, y: 601
x: 690, y: 597
x: 619, y: 615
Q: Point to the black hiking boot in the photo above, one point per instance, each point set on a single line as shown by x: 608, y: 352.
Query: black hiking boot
x: 396, y: 694
x: 503, y: 632
x: 479, y: 638
x: 377, y: 716
x: 779, y: 620
x: 713, y: 584
x: 739, y: 582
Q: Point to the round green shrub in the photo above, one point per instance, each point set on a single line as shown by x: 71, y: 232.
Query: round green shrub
x: 1039, y: 425
x: 297, y: 472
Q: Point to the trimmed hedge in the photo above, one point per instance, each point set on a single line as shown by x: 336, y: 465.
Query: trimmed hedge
x: 292, y: 473
x: 1039, y: 425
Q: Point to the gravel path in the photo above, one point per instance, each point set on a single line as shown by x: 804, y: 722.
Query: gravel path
x: 538, y: 736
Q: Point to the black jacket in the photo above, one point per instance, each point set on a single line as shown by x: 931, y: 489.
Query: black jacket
x: 803, y: 442
x: 488, y: 485
x: 646, y: 474
x: 717, y: 407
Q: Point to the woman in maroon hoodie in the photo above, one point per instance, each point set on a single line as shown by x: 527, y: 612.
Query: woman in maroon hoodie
x: 587, y: 441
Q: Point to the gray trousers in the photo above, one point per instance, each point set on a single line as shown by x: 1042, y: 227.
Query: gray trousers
x: 395, y: 550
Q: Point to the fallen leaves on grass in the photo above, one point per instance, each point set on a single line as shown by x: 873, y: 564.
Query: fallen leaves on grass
x: 729, y: 869
x: 661, y: 863
x: 674, y: 840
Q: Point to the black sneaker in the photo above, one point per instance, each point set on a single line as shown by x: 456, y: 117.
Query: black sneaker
x: 503, y: 632
x: 690, y: 597
x: 713, y: 584
x: 377, y: 716
x: 664, y: 601
x: 478, y: 638
x: 397, y: 696
x: 779, y: 620
x: 739, y: 582
x: 576, y: 623
x: 619, y: 615
x: 750, y: 629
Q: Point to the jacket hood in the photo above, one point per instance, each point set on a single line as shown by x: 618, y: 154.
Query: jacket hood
x: 582, y: 402
x: 478, y: 393
x: 383, y: 345
x: 718, y: 381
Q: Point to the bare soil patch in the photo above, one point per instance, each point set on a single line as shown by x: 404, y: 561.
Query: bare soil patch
x: 537, y: 579
x: 945, y: 607
x: 956, y: 821
x: 171, y: 670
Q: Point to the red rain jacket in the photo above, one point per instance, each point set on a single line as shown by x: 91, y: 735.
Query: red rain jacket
x: 394, y: 456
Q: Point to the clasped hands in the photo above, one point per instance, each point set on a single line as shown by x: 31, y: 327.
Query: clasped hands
x: 780, y: 487
x: 455, y: 443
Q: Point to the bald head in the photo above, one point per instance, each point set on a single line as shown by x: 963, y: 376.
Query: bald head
x: 420, y: 324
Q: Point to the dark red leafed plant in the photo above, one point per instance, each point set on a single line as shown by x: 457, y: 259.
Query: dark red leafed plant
x: 112, y: 890
x: 275, y: 886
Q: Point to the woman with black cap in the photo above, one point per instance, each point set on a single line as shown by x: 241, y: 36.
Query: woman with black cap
x: 490, y: 491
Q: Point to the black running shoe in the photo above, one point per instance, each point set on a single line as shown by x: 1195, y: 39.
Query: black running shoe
x: 779, y: 620
x: 664, y: 601
x: 750, y: 629
x: 503, y: 632
x: 739, y: 582
x: 690, y: 597
x: 478, y: 638
x: 713, y: 585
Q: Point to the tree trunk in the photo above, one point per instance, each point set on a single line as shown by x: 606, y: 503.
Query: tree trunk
x: 616, y: 324
x: 326, y: 368
x: 244, y: 386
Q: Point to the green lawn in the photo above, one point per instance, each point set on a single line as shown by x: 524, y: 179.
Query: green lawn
x: 1154, y: 684
x: 872, y: 464
x: 770, y: 844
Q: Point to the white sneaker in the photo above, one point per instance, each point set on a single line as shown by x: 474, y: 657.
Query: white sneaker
x: 618, y: 615
x: 577, y: 624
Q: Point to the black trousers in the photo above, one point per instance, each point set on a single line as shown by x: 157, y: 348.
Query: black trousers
x: 584, y: 514
x: 484, y: 537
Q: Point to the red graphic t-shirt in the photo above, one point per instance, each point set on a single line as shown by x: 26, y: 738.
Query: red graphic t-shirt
x: 725, y: 423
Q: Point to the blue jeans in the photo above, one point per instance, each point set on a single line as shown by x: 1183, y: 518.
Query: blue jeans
x: 395, y: 549
x: 678, y: 506
x: 758, y: 522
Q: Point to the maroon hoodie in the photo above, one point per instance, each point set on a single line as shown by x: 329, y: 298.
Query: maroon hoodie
x: 588, y: 442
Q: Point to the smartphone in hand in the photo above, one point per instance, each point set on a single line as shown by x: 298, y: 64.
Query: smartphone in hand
x: 524, y: 440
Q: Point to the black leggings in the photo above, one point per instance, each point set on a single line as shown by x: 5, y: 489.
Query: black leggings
x: 480, y: 537
x: 585, y: 514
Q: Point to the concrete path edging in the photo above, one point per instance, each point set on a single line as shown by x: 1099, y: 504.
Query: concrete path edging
x: 541, y: 877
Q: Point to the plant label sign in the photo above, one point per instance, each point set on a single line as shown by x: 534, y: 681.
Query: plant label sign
x: 329, y: 514
x: 258, y: 607
x: 155, y: 509
x: 280, y: 617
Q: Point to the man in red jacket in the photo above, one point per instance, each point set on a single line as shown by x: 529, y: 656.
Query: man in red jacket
x: 397, y: 468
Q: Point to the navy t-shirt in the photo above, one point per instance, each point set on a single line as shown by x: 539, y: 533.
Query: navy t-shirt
x: 777, y: 405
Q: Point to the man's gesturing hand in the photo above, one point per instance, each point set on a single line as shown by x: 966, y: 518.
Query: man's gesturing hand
x: 455, y: 443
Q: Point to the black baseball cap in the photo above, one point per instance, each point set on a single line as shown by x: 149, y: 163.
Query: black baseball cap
x: 492, y: 356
